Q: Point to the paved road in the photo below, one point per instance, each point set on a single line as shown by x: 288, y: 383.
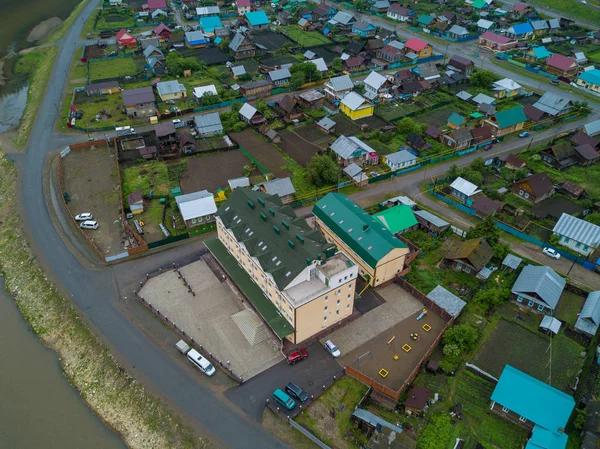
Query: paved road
x: 95, y: 291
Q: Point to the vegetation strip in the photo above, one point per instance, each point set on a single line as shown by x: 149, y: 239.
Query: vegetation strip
x: 141, y: 419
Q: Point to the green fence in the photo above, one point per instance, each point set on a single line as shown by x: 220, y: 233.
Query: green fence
x: 168, y: 240
x: 258, y: 164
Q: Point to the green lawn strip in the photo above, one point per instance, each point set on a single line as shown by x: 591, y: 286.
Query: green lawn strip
x: 38, y: 66
x: 78, y: 69
x: 88, y: 26
x: 572, y: 9
x: 116, y: 397
x: 305, y: 38
x: 569, y: 307
x: 112, y: 68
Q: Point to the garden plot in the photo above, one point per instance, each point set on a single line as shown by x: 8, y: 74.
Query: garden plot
x: 212, y: 171
x: 90, y: 180
x: 345, y: 126
x: 529, y: 351
x: 113, y: 68
x: 270, y: 40
x: 266, y: 154
x: 211, y: 56
x: 279, y: 60
x: 305, y: 38
x: 301, y: 148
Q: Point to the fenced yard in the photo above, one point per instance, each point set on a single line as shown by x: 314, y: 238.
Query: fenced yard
x: 262, y: 151
x: 300, y: 146
x: 107, y: 108
x: 305, y: 38
x: 112, y: 68
x: 211, y: 171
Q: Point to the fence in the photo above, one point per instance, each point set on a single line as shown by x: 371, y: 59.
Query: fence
x: 307, y: 434
x: 223, y: 104
x: 189, y: 340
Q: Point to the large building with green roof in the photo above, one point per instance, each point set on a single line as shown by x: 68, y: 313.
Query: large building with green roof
x: 303, y: 279
x: 379, y: 254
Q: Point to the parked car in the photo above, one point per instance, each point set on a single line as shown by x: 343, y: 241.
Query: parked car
x: 524, y: 134
x: 332, y: 349
x: 296, y: 392
x: 296, y: 357
x: 555, y: 82
x: 178, y: 123
x: 200, y: 362
x: 550, y: 252
x: 84, y: 217
x: 89, y: 224
x: 283, y: 399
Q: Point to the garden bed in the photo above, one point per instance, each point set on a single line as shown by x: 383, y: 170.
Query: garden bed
x: 212, y: 171
x: 299, y: 148
x: 266, y: 154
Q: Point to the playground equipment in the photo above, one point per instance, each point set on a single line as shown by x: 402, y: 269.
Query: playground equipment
x: 396, y: 357
x: 414, y: 336
x: 426, y: 327
x: 422, y: 315
x: 406, y: 347
x: 383, y: 372
x: 391, y: 339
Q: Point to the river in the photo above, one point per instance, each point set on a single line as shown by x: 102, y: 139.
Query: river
x: 39, y: 409
x: 18, y: 19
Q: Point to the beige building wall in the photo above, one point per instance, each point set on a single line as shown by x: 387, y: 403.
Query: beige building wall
x: 386, y: 269
x: 325, y: 310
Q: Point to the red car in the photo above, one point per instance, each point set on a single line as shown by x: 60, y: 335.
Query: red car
x: 296, y: 356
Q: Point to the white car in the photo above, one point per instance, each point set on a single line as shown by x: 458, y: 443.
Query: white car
x: 551, y: 253
x: 89, y: 224
x: 332, y: 349
x: 83, y: 217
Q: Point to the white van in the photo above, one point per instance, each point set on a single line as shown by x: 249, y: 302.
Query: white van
x: 204, y: 365
x: 89, y: 224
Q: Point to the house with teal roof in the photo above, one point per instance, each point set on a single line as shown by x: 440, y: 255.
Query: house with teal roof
x: 537, y: 54
x: 379, y: 254
x: 398, y: 219
x: 507, y: 121
x: 456, y: 120
x: 589, y: 79
x: 535, y: 405
x: 257, y: 20
x: 424, y: 20
x: 208, y: 24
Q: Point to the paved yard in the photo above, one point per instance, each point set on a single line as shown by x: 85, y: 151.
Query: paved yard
x: 207, y: 317
x: 310, y: 374
x: 399, y: 305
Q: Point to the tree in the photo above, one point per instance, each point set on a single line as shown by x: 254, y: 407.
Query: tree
x: 478, y: 165
x: 501, y: 250
x: 454, y: 171
x: 323, y: 170
x: 452, y: 353
x: 521, y: 173
x: 285, y: 49
x: 361, y: 5
x: 437, y: 434
x: 298, y: 79
x: 308, y: 69
x: 463, y: 336
x: 407, y: 125
x: 593, y: 218
x: 488, y: 299
x: 483, y: 78
x: 337, y: 64
x: 474, y: 176
x: 486, y: 229
x: 176, y: 64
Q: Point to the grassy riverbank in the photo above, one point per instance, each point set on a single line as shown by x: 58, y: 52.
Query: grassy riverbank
x: 62, y: 29
x: 38, y: 66
x: 143, y: 421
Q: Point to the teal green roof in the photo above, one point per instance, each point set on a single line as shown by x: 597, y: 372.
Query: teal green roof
x: 510, y: 117
x: 256, y: 18
x: 544, y: 439
x: 591, y: 76
x: 261, y: 303
x: 456, y: 119
x: 476, y: 115
x: 367, y: 237
x: 283, y: 243
x: 424, y: 19
x: 397, y: 218
x: 478, y: 4
x: 541, y: 52
x: 537, y: 401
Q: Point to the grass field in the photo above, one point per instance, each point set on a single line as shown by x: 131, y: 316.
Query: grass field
x: 316, y: 417
x: 529, y: 351
x: 112, y: 68
x: 588, y: 12
x: 305, y: 38
x: 146, y: 177
x: 569, y: 307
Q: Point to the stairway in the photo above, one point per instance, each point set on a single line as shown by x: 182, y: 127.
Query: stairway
x: 251, y: 326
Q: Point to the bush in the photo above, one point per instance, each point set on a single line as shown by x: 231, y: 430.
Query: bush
x: 437, y: 434
x: 462, y: 336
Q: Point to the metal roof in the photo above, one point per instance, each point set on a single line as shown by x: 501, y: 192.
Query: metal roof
x: 589, y: 318
x: 320, y: 63
x: 238, y: 70
x: 170, y: 87
x: 506, y: 84
x: 257, y: 18
x: 457, y: 29
x: 368, y: 238
x: 197, y: 204
x: 533, y: 399
x: 309, y: 54
x: 552, y: 104
x: 374, y: 420
x: 247, y: 111
x: 433, y: 219
x: 209, y: 123
x: 593, y: 128
x: 353, y: 100
x: 237, y: 40
x: 195, y: 36
x: 281, y: 187
x: 347, y: 147
x: 485, y: 24
x: 400, y: 157
x: 209, y: 24
x: 577, y: 229
x: 521, y: 28
x: 234, y: 183
x: 541, y: 280
x: 540, y: 25
x: 151, y: 49
x: 483, y: 99
x: 326, y: 123
x: 205, y: 10
x: 277, y: 75
x: 200, y: 91
x: 550, y: 323
x: 464, y: 95
x: 463, y: 186
x: 343, y: 18
x: 512, y: 261
x: 397, y: 218
x: 342, y: 82
x: 375, y: 80
x: 138, y: 96
x: 451, y: 303
x: 355, y: 172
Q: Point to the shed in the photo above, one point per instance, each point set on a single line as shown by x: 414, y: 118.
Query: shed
x: 243, y: 181
x: 550, y: 324
x: 209, y: 124
x: 135, y: 201
x: 589, y: 318
x: 511, y: 262
x: 326, y: 124
x: 431, y: 222
x: 417, y: 399
x: 449, y: 302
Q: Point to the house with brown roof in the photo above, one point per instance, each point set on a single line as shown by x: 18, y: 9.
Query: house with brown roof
x: 288, y: 107
x: 561, y: 65
x: 311, y: 99
x: 462, y: 65
x: 481, y: 134
x: 470, y: 256
x: 459, y: 138
x: 586, y: 155
x: 356, y: 63
x: 571, y: 189
x: 535, y: 188
x: 139, y: 102
x: 434, y: 132
x: 514, y: 162
x: 417, y: 399
x: 390, y: 53
x: 533, y: 114
x: 484, y: 206
x: 581, y: 138
x: 560, y: 155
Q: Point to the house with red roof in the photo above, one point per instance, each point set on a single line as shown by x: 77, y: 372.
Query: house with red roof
x: 519, y: 10
x: 420, y: 47
x: 125, y: 39
x: 561, y: 65
x: 155, y: 4
x: 496, y: 42
x: 243, y: 6
x: 162, y: 31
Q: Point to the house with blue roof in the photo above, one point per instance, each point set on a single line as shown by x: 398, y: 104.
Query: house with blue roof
x: 589, y: 79
x: 364, y: 29
x: 537, y: 54
x: 208, y: 24
x: 535, y: 405
x: 257, y: 20
x: 520, y: 31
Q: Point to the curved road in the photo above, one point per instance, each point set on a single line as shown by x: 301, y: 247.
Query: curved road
x: 93, y: 290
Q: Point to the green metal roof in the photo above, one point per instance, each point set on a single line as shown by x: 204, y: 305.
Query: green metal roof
x: 283, y: 243
x: 478, y: 4
x: 456, y: 119
x: 261, y: 303
x: 397, y: 218
x: 425, y: 19
x: 365, y: 235
x: 510, y: 117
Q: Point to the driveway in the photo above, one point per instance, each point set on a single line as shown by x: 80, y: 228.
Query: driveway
x: 310, y: 374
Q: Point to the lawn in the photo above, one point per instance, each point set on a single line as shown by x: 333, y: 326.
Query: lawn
x: 91, y: 106
x: 149, y: 176
x: 529, y: 351
x: 342, y: 396
x: 573, y: 8
x: 305, y: 38
x: 112, y: 68
x: 78, y: 69
x: 569, y: 307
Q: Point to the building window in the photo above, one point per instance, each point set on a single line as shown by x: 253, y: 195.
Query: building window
x: 522, y: 419
x: 345, y: 277
x: 521, y: 192
x: 337, y: 312
x: 324, y: 318
x: 577, y: 245
x: 540, y: 308
x: 338, y: 292
x: 530, y: 304
x: 519, y: 298
x: 325, y: 308
x: 505, y: 410
x: 349, y: 286
x: 349, y: 295
x: 193, y: 221
x: 338, y: 301
x: 339, y: 280
x: 347, y: 306
x: 326, y: 298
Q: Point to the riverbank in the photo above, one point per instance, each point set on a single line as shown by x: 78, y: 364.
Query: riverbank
x: 142, y: 420
x: 63, y: 27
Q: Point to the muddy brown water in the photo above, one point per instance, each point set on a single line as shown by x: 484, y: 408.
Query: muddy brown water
x: 39, y: 409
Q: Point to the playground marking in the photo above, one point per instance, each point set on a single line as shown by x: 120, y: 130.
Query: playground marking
x: 383, y: 372
x: 406, y: 347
